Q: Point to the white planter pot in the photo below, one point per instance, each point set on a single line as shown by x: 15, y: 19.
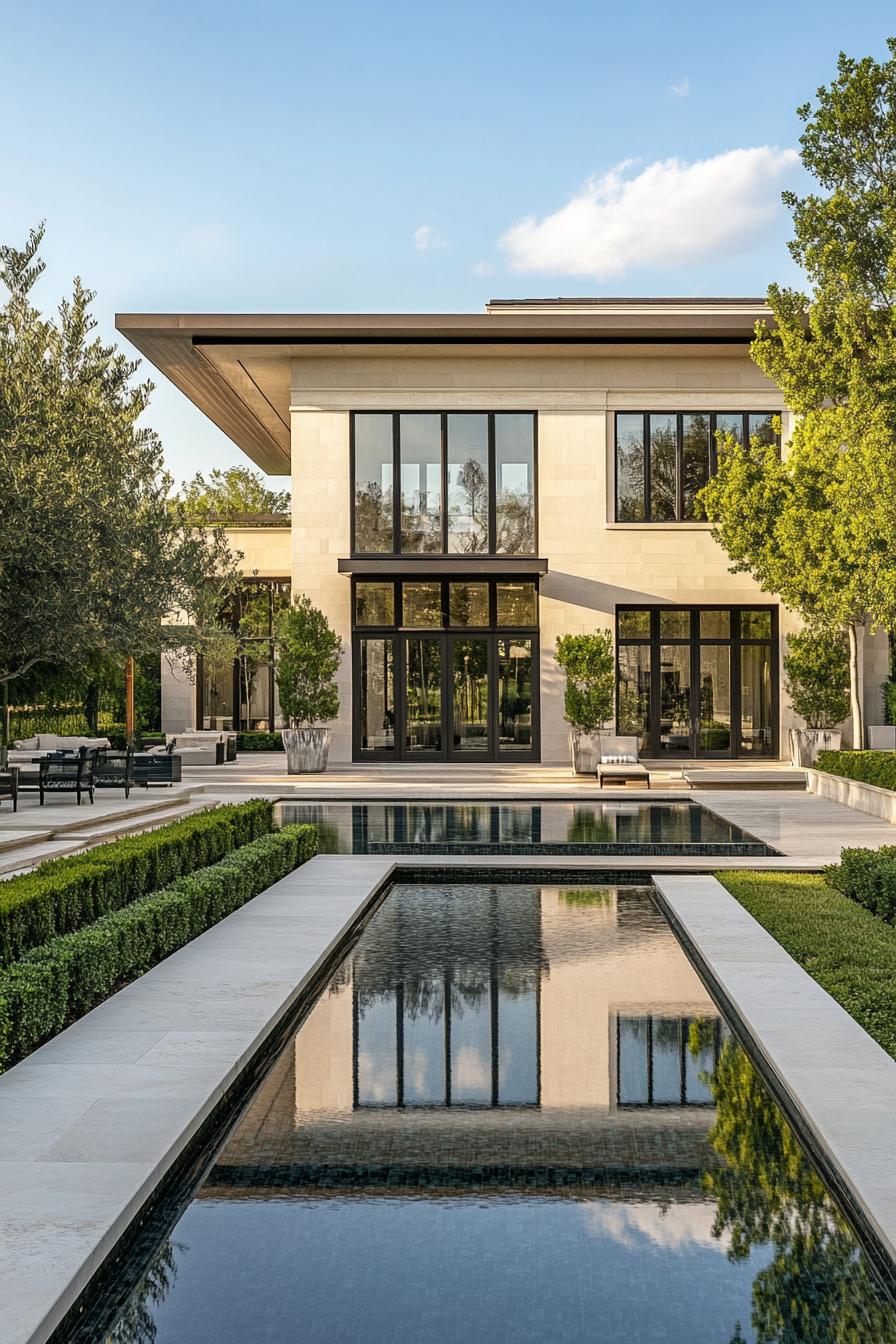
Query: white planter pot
x: 584, y: 750
x: 306, y: 750
x: 806, y: 743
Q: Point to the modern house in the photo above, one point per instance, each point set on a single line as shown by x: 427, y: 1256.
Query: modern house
x: 468, y: 487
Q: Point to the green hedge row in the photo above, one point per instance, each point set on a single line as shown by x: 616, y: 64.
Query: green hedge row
x: 65, y: 894
x: 259, y: 742
x: 867, y: 876
x: 871, y: 767
x: 54, y: 984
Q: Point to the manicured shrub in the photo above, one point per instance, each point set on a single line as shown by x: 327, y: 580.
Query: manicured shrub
x: 870, y: 767
x: 816, y: 674
x: 65, y: 894
x: 259, y: 741
x: 54, y: 984
x: 869, y: 877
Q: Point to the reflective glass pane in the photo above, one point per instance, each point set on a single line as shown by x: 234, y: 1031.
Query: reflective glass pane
x: 756, y: 700
x: 423, y: 1024
x: 715, y: 697
x: 667, y: 1061
x: 421, y: 604
x: 374, y: 603
x: 699, y: 1060
x: 634, y: 624
x: 256, y: 709
x: 517, y: 1044
x: 694, y: 460
x: 730, y: 423
x: 630, y: 468
x: 762, y: 428
x: 514, y: 695
x: 467, y: 484
x: 468, y: 603
x: 663, y: 476
x: 377, y: 1050
x: 515, y: 484
x: 675, y: 624
x: 420, y: 445
x: 633, y: 691
x: 377, y: 694
x: 675, y: 698
x: 471, y: 1038
x: 423, y: 729
x: 756, y: 624
x: 373, y: 483
x: 715, y: 624
x: 469, y: 665
x: 633, y: 1081
x: 217, y: 692
x: 517, y: 604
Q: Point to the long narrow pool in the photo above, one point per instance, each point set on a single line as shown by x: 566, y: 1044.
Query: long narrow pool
x: 602, y: 827
x: 513, y: 1113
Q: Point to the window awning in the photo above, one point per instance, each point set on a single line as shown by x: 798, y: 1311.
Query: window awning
x: 443, y: 566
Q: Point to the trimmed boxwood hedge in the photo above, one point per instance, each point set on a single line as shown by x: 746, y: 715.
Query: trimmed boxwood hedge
x: 867, y: 876
x: 259, y: 742
x: 65, y: 894
x: 869, y: 767
x: 54, y: 984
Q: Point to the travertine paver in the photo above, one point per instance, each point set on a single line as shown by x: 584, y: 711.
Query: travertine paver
x: 841, y: 1082
x: 91, y: 1121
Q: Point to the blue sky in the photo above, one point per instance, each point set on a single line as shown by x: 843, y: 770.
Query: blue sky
x: 267, y: 156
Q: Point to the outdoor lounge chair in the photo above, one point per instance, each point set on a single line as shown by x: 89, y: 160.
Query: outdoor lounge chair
x: 115, y: 770
x: 9, y: 787
x: 63, y: 772
x: 618, y: 761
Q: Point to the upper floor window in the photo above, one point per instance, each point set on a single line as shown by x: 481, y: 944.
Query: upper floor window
x: 458, y: 483
x: 664, y: 458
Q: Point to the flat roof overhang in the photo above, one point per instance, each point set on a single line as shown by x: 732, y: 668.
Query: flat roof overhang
x: 236, y: 367
x: 443, y: 566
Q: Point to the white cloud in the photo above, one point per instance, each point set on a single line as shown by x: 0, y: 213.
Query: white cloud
x: 428, y: 239
x: 682, y: 89
x: 674, y: 1227
x: 668, y: 213
x: 483, y: 268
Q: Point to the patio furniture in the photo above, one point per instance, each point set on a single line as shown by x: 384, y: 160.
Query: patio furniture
x: 115, y: 770
x: 157, y: 767
x: 619, y: 761
x: 61, y: 772
x: 26, y: 749
x: 9, y: 786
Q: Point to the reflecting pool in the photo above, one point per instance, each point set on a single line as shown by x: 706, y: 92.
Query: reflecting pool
x: 612, y: 827
x: 514, y: 1113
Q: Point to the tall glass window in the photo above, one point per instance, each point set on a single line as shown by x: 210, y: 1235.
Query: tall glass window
x: 373, y: 483
x: 515, y: 484
x: 468, y: 492
x: 663, y: 459
x: 240, y: 692
x: 420, y: 444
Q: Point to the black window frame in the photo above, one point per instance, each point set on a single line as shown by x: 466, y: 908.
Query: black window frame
x: 647, y: 520
x: 491, y: 552
x: 231, y: 616
x: 684, y: 1024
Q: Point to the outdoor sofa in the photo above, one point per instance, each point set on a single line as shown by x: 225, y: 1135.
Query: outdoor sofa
x: 618, y: 761
x: 25, y: 749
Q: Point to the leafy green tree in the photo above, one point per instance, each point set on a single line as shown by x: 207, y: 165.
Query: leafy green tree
x: 308, y: 654
x: 816, y: 671
x: 230, y: 494
x: 590, y: 671
x: 93, y: 552
x: 819, y: 527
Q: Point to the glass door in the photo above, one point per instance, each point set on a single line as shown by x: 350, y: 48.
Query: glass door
x: 423, y: 736
x: 470, y: 699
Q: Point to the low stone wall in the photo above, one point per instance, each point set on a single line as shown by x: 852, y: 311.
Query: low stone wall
x: 863, y: 797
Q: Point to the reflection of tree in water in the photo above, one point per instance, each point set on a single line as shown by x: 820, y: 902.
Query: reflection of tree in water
x: 819, y: 1287
x: 136, y: 1324
x: 586, y: 827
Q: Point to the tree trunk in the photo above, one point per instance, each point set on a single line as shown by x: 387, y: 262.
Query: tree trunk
x: 91, y: 708
x: 856, y: 696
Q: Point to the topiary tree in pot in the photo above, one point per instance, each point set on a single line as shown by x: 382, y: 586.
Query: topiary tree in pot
x: 816, y: 674
x: 590, y: 671
x: 308, y: 655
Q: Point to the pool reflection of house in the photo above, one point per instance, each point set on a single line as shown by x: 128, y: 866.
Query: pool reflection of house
x: 546, y: 1038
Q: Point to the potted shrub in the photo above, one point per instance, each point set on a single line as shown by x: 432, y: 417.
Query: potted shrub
x: 590, y: 671
x: 308, y: 654
x: 816, y: 674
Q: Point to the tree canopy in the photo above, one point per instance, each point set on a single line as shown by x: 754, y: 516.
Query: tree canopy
x: 819, y: 527
x: 94, y: 552
x: 228, y: 494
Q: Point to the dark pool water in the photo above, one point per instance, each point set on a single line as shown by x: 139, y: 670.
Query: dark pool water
x: 677, y: 828
x: 513, y: 1114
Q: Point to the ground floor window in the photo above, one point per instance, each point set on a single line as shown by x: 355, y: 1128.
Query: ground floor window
x: 698, y: 681
x: 240, y: 693
x: 445, y: 669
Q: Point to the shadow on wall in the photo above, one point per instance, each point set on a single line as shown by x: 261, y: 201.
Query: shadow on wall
x: 594, y: 595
